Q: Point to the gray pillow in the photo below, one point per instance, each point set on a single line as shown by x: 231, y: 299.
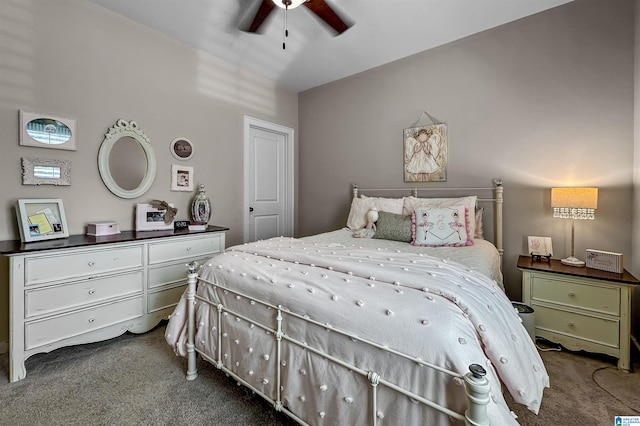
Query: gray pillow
x: 391, y: 226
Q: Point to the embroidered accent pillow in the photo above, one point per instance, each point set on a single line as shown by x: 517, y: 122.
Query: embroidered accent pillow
x: 441, y: 226
x: 391, y: 226
x: 412, y: 203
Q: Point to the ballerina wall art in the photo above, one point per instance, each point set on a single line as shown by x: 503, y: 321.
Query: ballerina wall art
x: 425, y: 153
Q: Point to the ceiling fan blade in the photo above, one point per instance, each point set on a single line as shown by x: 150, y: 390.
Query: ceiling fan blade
x: 327, y: 14
x: 263, y: 12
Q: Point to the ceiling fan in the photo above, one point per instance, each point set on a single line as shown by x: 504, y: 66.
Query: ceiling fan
x: 319, y: 7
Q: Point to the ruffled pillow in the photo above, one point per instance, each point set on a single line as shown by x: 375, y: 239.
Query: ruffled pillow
x: 441, y: 226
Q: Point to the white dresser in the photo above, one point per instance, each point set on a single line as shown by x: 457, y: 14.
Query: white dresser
x: 85, y: 289
x: 580, y: 308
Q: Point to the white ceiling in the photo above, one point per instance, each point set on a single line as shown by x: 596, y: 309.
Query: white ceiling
x: 382, y: 31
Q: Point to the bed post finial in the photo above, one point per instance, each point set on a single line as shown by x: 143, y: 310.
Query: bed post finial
x: 477, y: 389
x: 354, y: 188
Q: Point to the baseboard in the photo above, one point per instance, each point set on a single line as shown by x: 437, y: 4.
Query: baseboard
x: 4, y: 347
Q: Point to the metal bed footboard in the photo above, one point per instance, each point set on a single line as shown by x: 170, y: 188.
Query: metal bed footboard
x: 477, y: 387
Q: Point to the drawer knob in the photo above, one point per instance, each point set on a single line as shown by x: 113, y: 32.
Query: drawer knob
x: 92, y: 291
x: 92, y: 319
x: 188, y: 248
x: 571, y: 325
x: 572, y: 294
x: 91, y: 263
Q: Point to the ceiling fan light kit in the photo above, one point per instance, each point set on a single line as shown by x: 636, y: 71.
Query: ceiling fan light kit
x: 320, y: 8
x: 288, y: 4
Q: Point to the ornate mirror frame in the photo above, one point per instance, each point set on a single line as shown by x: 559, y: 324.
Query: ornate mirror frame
x: 122, y: 129
x: 30, y: 175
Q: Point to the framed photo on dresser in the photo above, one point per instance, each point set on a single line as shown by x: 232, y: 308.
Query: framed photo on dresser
x: 41, y: 219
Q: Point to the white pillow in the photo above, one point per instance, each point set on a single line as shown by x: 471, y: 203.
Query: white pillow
x: 441, y: 226
x: 360, y: 206
x: 412, y: 203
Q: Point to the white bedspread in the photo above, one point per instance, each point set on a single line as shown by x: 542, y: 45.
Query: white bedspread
x: 438, y: 311
x: 481, y: 256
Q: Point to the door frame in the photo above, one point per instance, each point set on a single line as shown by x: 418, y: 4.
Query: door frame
x: 288, y: 133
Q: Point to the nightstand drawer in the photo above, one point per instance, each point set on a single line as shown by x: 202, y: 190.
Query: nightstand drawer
x: 580, y: 295
x: 599, y: 330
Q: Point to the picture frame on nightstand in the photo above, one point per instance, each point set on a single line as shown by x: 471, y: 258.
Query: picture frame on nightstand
x: 540, y: 247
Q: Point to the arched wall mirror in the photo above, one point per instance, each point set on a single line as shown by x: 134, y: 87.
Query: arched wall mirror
x: 126, y: 160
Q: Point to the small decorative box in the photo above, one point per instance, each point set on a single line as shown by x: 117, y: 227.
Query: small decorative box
x: 604, y: 260
x: 103, y: 228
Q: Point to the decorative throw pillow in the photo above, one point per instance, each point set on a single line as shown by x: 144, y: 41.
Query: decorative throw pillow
x: 444, y: 226
x: 360, y: 206
x: 391, y: 226
x: 412, y: 203
x: 479, y: 234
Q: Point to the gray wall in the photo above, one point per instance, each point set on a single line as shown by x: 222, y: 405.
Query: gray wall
x: 541, y: 102
x: 74, y: 59
x: 635, y: 264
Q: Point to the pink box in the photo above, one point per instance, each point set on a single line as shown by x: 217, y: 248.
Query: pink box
x: 103, y: 228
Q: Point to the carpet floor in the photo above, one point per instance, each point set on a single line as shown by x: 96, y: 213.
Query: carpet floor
x: 138, y: 380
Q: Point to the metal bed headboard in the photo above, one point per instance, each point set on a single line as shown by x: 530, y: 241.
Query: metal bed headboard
x: 497, y: 200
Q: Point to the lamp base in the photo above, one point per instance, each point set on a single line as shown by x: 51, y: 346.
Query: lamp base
x: 573, y: 261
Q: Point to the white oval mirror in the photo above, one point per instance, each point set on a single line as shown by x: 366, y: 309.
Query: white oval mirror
x: 126, y: 160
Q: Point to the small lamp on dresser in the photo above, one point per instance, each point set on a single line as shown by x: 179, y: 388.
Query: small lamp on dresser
x: 574, y: 203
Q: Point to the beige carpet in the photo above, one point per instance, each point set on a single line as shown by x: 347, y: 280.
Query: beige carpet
x: 586, y: 390
x: 137, y: 380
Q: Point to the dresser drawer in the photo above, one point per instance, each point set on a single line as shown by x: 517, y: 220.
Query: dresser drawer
x: 158, y: 300
x: 171, y: 274
x: 603, y: 331
x: 53, y: 329
x: 87, y: 292
x: 185, y: 248
x: 580, y: 295
x: 82, y: 263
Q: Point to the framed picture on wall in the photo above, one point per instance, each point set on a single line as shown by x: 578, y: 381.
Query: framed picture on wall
x: 425, y: 153
x: 181, y: 178
x: 41, y: 219
x: 182, y: 148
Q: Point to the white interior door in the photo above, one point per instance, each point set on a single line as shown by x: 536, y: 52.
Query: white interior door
x: 268, y: 181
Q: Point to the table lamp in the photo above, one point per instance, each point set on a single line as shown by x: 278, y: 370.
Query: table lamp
x: 574, y: 203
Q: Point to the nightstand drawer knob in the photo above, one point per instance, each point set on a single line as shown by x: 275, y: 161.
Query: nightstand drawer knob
x: 92, y: 291
x: 571, y: 325
x: 572, y: 294
x: 92, y: 319
x: 91, y: 263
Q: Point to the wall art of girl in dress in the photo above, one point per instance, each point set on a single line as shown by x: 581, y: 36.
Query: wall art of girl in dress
x: 425, y: 153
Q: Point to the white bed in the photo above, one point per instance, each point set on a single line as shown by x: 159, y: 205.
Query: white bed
x: 340, y: 330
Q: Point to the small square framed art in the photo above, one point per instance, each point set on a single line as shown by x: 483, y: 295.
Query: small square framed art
x: 181, y: 178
